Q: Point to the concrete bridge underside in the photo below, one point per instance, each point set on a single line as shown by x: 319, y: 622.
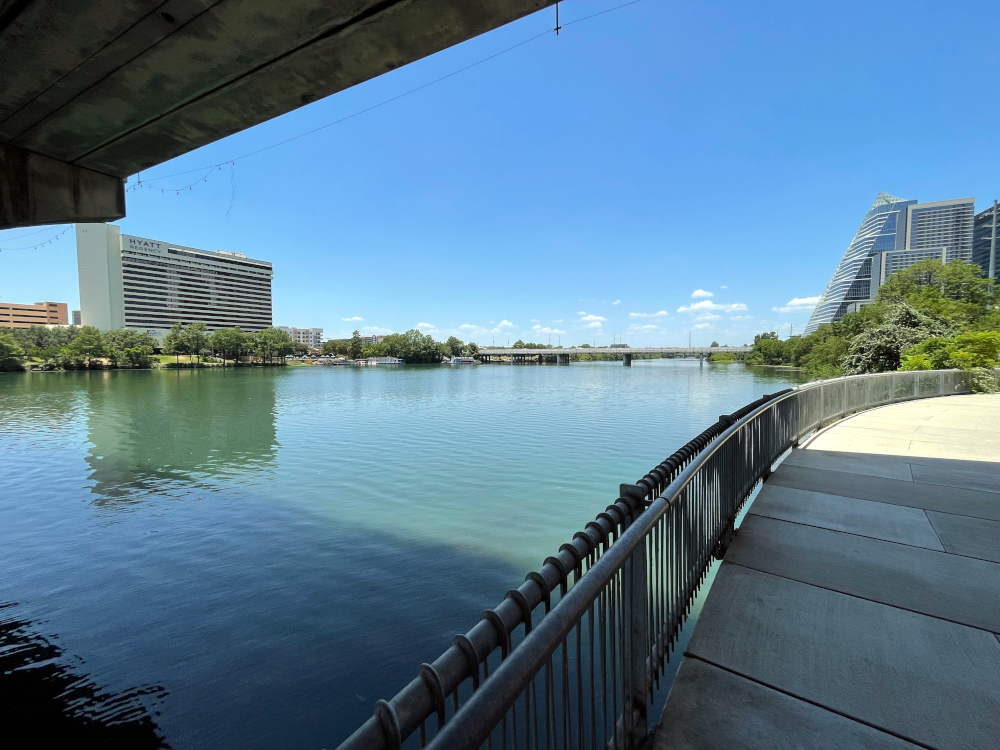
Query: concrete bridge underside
x: 859, y: 605
x: 93, y: 92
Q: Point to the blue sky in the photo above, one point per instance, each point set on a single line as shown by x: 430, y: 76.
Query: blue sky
x: 667, y: 168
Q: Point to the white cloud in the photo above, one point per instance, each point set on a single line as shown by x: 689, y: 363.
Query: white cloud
x: 660, y: 314
x: 647, y: 327
x: 799, y: 304
x: 350, y: 319
x: 581, y: 313
x: 701, y: 293
x: 425, y: 326
x: 616, y: 302
x: 595, y: 324
x: 723, y: 287
x: 558, y: 321
x: 591, y: 318
x: 468, y: 327
x: 702, y: 327
x: 709, y: 317
x: 545, y: 329
x: 742, y: 317
x: 708, y: 305
x: 535, y: 320
x: 376, y: 329
x: 505, y: 324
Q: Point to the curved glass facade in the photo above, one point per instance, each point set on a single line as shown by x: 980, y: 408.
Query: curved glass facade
x: 883, y: 230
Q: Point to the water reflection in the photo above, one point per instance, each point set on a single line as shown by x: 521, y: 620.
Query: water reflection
x: 56, y: 707
x: 294, y: 587
x: 173, y: 433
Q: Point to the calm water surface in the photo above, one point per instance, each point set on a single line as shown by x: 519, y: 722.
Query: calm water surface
x: 250, y: 558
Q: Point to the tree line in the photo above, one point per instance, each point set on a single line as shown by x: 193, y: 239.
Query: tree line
x: 413, y: 347
x: 74, y: 348
x: 928, y: 316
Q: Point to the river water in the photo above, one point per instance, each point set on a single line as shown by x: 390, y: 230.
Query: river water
x: 250, y: 558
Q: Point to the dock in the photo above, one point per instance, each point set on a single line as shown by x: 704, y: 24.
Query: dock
x: 859, y: 603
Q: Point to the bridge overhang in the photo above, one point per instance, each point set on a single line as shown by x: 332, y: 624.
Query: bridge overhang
x: 100, y: 90
x: 38, y: 190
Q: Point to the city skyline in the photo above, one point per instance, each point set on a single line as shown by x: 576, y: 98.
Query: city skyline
x: 637, y: 158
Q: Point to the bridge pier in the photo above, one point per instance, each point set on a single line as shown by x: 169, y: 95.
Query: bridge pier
x: 562, y: 359
x: 628, y: 360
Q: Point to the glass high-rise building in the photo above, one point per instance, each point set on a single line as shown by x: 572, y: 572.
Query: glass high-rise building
x: 895, y: 234
x: 983, y: 240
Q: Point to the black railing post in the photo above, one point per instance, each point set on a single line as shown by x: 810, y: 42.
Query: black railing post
x: 635, y: 678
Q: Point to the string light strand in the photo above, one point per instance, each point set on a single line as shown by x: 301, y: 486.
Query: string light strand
x: 49, y: 241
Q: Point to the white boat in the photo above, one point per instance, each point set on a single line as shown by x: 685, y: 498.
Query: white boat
x: 463, y: 361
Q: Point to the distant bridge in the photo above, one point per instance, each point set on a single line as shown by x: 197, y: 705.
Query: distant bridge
x: 562, y: 355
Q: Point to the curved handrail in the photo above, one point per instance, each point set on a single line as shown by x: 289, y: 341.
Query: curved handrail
x: 605, y: 558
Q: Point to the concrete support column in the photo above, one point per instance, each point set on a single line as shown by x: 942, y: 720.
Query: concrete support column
x: 38, y: 190
x: 628, y: 360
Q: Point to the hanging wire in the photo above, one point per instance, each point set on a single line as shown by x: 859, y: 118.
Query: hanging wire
x: 49, y: 241
x: 209, y: 169
x: 29, y: 234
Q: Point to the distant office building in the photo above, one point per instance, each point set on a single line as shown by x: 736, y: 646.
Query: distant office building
x: 13, y: 315
x: 311, y: 337
x: 895, y: 234
x: 75, y: 318
x: 372, y: 339
x: 984, y: 239
x: 148, y: 285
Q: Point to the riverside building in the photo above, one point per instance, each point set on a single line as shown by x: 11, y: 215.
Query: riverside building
x: 148, y: 285
x: 895, y: 234
x: 13, y: 315
x: 985, y: 238
x: 311, y: 337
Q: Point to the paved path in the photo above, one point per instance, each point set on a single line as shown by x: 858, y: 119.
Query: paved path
x: 859, y: 606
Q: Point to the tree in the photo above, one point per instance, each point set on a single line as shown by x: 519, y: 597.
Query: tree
x: 272, y: 342
x: 966, y: 351
x: 356, y: 345
x: 89, y: 344
x: 175, y: 342
x: 722, y: 357
x: 10, y: 353
x: 196, y: 337
x: 265, y: 344
x: 714, y: 343
x: 414, y: 347
x: 471, y: 349
x: 229, y: 341
x: 767, y: 350
x: 880, y: 349
x: 336, y: 347
x: 283, y: 342
x: 251, y: 342
x: 455, y: 346
x: 129, y: 348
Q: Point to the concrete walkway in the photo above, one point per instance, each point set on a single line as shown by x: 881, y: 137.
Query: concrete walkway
x: 859, y: 605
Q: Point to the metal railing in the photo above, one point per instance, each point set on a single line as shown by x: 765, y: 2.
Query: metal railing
x: 583, y: 672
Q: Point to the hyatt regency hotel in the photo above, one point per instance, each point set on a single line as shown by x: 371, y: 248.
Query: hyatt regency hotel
x: 148, y: 285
